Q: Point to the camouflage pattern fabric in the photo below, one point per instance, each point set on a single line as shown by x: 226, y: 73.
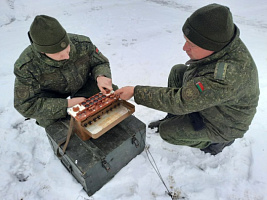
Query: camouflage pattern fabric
x: 42, y: 84
x: 223, y: 88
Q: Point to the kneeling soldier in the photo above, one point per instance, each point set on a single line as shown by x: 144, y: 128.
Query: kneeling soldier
x: 212, y: 99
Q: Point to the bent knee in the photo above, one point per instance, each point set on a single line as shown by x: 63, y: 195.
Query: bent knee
x: 166, y: 132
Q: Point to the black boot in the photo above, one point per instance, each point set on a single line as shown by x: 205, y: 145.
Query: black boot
x: 215, y: 148
x: 156, y: 124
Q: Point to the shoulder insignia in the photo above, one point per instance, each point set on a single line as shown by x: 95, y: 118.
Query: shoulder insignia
x: 25, y: 57
x: 200, y: 86
x: 22, y: 92
x: 220, y: 70
x: 190, y: 92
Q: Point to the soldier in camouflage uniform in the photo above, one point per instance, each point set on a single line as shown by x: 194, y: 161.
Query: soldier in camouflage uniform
x: 55, y: 66
x: 212, y: 99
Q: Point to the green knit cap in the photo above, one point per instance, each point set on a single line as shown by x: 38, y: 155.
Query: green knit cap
x: 210, y: 27
x: 47, y: 35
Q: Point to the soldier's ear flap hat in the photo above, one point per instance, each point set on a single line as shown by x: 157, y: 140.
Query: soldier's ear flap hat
x: 210, y: 27
x: 47, y: 35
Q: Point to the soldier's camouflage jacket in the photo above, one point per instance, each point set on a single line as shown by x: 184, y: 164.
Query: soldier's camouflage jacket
x: 223, y: 88
x: 42, y: 84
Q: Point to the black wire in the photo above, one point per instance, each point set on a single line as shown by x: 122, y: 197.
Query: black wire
x: 157, y: 170
x: 155, y: 167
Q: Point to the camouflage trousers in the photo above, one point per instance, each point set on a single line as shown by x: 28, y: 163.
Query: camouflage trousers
x: 178, y: 129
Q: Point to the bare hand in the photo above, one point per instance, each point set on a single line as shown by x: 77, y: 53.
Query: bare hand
x: 75, y: 100
x: 126, y: 92
x: 104, y: 84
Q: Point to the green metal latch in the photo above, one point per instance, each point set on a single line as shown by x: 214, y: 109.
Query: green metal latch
x: 105, y: 165
x: 135, y: 141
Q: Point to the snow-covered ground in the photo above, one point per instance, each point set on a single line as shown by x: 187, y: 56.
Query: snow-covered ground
x: 143, y: 40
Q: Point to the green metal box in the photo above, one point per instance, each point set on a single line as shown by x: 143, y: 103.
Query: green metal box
x: 95, y: 161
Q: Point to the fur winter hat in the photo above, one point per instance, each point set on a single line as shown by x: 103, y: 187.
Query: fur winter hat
x: 47, y: 35
x: 210, y: 27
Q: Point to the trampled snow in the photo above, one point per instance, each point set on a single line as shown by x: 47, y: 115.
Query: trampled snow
x: 142, y: 40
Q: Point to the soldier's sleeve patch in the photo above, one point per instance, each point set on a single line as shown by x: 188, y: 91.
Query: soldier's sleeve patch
x: 22, y: 92
x: 97, y: 50
x: 200, y: 86
x: 220, y: 70
x: 190, y: 92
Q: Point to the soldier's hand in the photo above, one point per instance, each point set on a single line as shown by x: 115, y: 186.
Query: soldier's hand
x: 125, y: 93
x: 104, y: 84
x: 74, y: 101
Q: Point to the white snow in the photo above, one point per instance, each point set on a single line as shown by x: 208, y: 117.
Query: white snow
x: 143, y: 40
